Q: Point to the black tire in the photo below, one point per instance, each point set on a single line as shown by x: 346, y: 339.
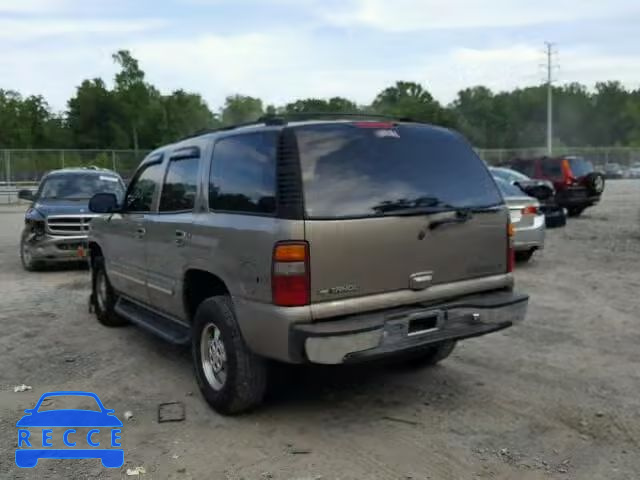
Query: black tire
x: 524, y: 256
x: 240, y: 384
x: 103, y: 298
x: 431, y: 355
x: 28, y: 263
x: 574, y: 212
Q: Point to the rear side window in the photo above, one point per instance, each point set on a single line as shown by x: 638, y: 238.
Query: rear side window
x: 243, y: 174
x: 580, y: 167
x: 551, y: 168
x: 351, y: 171
x: 143, y: 187
x: 180, y: 185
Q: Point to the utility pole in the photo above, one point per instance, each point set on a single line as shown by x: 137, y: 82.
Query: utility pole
x: 549, y: 52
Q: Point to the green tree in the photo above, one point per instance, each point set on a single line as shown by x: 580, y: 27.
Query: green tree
x: 184, y: 114
x: 135, y: 96
x: 476, y: 116
x: 241, y: 109
x: 95, y: 117
x: 411, y: 100
x: 316, y: 105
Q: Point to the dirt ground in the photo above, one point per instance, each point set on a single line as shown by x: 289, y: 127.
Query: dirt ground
x: 556, y: 397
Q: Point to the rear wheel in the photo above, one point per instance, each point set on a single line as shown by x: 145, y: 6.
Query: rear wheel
x: 431, y: 355
x: 232, y: 379
x: 26, y: 257
x: 103, y: 297
x: 575, y: 211
x: 525, y: 255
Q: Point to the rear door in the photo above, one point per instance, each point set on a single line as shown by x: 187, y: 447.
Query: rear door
x: 374, y: 194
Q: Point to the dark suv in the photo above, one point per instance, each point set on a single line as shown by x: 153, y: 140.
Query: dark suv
x: 577, y: 184
x: 325, y: 242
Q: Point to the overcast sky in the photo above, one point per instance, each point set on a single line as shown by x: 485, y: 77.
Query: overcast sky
x: 281, y: 50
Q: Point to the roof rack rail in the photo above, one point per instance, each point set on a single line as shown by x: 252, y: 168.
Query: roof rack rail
x: 312, y: 115
x: 265, y: 119
x: 281, y: 119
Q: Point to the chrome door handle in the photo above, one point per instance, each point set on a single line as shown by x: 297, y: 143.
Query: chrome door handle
x: 181, y: 237
x: 140, y: 232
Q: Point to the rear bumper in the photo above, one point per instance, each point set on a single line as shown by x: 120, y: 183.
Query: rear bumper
x: 530, y: 237
x: 576, y: 197
x: 397, y: 331
x: 58, y: 248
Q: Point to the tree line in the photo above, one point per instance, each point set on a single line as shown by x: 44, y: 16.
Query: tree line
x: 136, y: 115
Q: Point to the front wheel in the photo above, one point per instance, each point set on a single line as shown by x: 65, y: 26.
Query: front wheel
x: 231, y: 378
x: 26, y: 257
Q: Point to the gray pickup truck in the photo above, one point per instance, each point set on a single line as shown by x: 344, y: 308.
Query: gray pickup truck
x: 318, y: 241
x: 57, y: 222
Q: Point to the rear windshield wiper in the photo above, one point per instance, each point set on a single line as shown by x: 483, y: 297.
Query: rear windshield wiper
x: 422, y: 205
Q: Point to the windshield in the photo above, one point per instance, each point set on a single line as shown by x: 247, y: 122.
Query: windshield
x: 349, y: 170
x: 508, y: 189
x: 508, y: 175
x: 79, y: 186
x: 580, y: 167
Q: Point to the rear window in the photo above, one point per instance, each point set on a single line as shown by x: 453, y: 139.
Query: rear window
x: 351, y: 171
x: 508, y: 175
x: 508, y: 189
x: 580, y: 167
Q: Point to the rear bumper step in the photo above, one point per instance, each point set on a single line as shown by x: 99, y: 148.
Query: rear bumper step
x: 369, y: 336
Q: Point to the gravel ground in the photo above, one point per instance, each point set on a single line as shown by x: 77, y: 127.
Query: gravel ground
x: 556, y: 397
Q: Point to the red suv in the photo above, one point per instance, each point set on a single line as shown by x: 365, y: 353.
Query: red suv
x: 577, y: 184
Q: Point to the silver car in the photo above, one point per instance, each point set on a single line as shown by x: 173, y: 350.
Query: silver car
x: 526, y: 218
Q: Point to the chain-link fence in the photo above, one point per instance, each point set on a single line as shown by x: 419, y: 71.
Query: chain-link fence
x: 25, y: 168
x: 625, y: 157
x: 28, y: 166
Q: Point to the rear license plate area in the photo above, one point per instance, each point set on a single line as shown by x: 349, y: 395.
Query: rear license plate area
x: 426, y: 324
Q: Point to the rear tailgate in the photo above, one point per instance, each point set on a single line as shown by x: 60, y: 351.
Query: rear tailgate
x: 361, y: 185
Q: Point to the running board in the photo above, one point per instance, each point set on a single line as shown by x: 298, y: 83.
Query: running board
x: 165, y: 327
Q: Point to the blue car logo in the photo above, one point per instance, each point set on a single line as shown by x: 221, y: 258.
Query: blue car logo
x: 62, y: 425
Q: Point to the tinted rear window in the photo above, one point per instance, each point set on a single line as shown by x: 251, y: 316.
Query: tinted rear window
x: 508, y: 189
x: 350, y: 171
x: 580, y: 167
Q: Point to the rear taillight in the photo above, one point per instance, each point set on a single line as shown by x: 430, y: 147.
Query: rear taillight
x: 511, y: 252
x: 530, y: 210
x: 290, y: 281
x: 569, y: 179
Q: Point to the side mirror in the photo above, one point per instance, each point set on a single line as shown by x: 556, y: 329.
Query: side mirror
x: 26, y: 195
x: 104, y: 203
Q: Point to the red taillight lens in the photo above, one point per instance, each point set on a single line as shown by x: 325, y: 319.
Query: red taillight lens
x: 290, y: 281
x: 530, y: 210
x: 511, y: 252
